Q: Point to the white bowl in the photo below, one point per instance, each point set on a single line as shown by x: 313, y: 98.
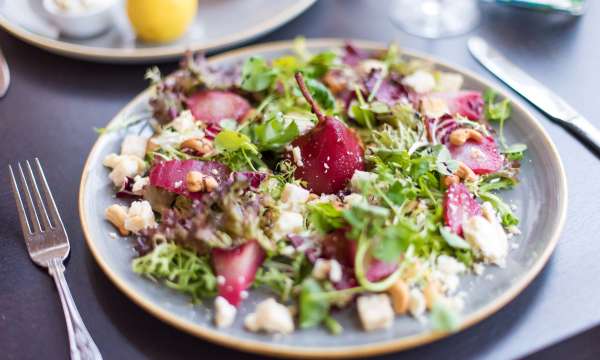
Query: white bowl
x: 81, y: 24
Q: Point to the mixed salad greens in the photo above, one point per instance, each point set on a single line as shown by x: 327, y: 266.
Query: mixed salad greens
x: 331, y: 179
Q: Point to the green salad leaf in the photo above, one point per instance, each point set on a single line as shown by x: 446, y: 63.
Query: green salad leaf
x: 237, y: 151
x: 257, y: 75
x: 441, y: 159
x: 394, y: 240
x: 179, y: 269
x: 321, y: 94
x: 276, y: 280
x: 453, y: 240
x: 231, y: 141
x: 499, y: 112
x: 319, y: 64
x: 495, y: 111
x: 282, y: 273
x: 506, y: 214
x: 274, y: 133
x: 334, y: 327
x: 325, y: 217
x: 314, y: 308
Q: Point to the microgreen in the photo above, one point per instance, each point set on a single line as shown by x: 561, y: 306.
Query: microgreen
x: 257, y: 75
x: 321, y: 94
x: 452, y: 239
x: 325, y: 217
x: 237, y: 150
x: 179, y: 269
x: 507, y: 216
x: 274, y: 133
x: 313, y: 307
x: 499, y: 112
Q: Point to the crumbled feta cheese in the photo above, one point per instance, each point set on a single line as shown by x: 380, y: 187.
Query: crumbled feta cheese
x: 111, y: 160
x: 331, y: 198
x: 434, y: 107
x: 270, y: 316
x: 449, y: 82
x: 294, y: 194
x: 360, y: 177
x: 134, y: 145
x: 297, y: 155
x: 449, y: 265
x: 354, y: 198
x: 224, y: 312
x: 124, y: 166
x: 513, y: 230
x: 185, y: 122
x: 335, y: 271
x: 420, y: 81
x: 139, y: 183
x: 321, y: 269
x: 375, y: 311
x: 447, y: 271
x: 289, y: 222
x: 416, y: 303
x: 112, y: 234
x: 325, y: 268
x: 450, y: 283
x: 478, y: 268
x: 139, y: 216
x: 168, y: 139
x: 487, y: 237
x: 326, y: 198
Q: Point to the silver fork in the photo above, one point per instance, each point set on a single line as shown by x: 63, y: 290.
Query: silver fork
x: 48, y: 246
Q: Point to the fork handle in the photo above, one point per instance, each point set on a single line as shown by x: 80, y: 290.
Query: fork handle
x: 80, y: 342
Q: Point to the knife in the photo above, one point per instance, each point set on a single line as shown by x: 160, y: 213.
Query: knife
x: 537, y: 94
x: 4, y: 75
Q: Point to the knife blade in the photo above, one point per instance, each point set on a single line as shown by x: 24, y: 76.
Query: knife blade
x: 4, y: 75
x: 536, y: 93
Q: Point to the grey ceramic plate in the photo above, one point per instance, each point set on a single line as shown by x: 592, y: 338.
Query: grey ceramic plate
x: 219, y: 24
x: 540, y: 199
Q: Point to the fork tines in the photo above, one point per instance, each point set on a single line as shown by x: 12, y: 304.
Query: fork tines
x: 43, y: 217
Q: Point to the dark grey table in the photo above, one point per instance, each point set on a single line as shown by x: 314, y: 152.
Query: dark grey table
x: 54, y: 103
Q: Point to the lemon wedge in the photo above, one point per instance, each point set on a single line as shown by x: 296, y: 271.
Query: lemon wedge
x: 161, y: 20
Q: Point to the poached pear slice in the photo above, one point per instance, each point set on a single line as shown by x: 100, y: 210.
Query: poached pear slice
x: 329, y: 153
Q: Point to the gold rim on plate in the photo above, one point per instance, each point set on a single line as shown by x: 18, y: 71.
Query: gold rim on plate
x: 154, y: 53
x: 258, y: 347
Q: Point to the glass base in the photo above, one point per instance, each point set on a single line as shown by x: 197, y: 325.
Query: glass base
x: 435, y: 18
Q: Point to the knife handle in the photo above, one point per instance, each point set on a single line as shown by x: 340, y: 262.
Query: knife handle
x: 586, y: 132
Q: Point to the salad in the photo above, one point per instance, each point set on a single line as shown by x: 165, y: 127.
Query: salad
x: 343, y: 178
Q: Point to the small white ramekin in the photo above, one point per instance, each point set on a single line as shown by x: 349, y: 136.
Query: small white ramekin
x: 82, y: 24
